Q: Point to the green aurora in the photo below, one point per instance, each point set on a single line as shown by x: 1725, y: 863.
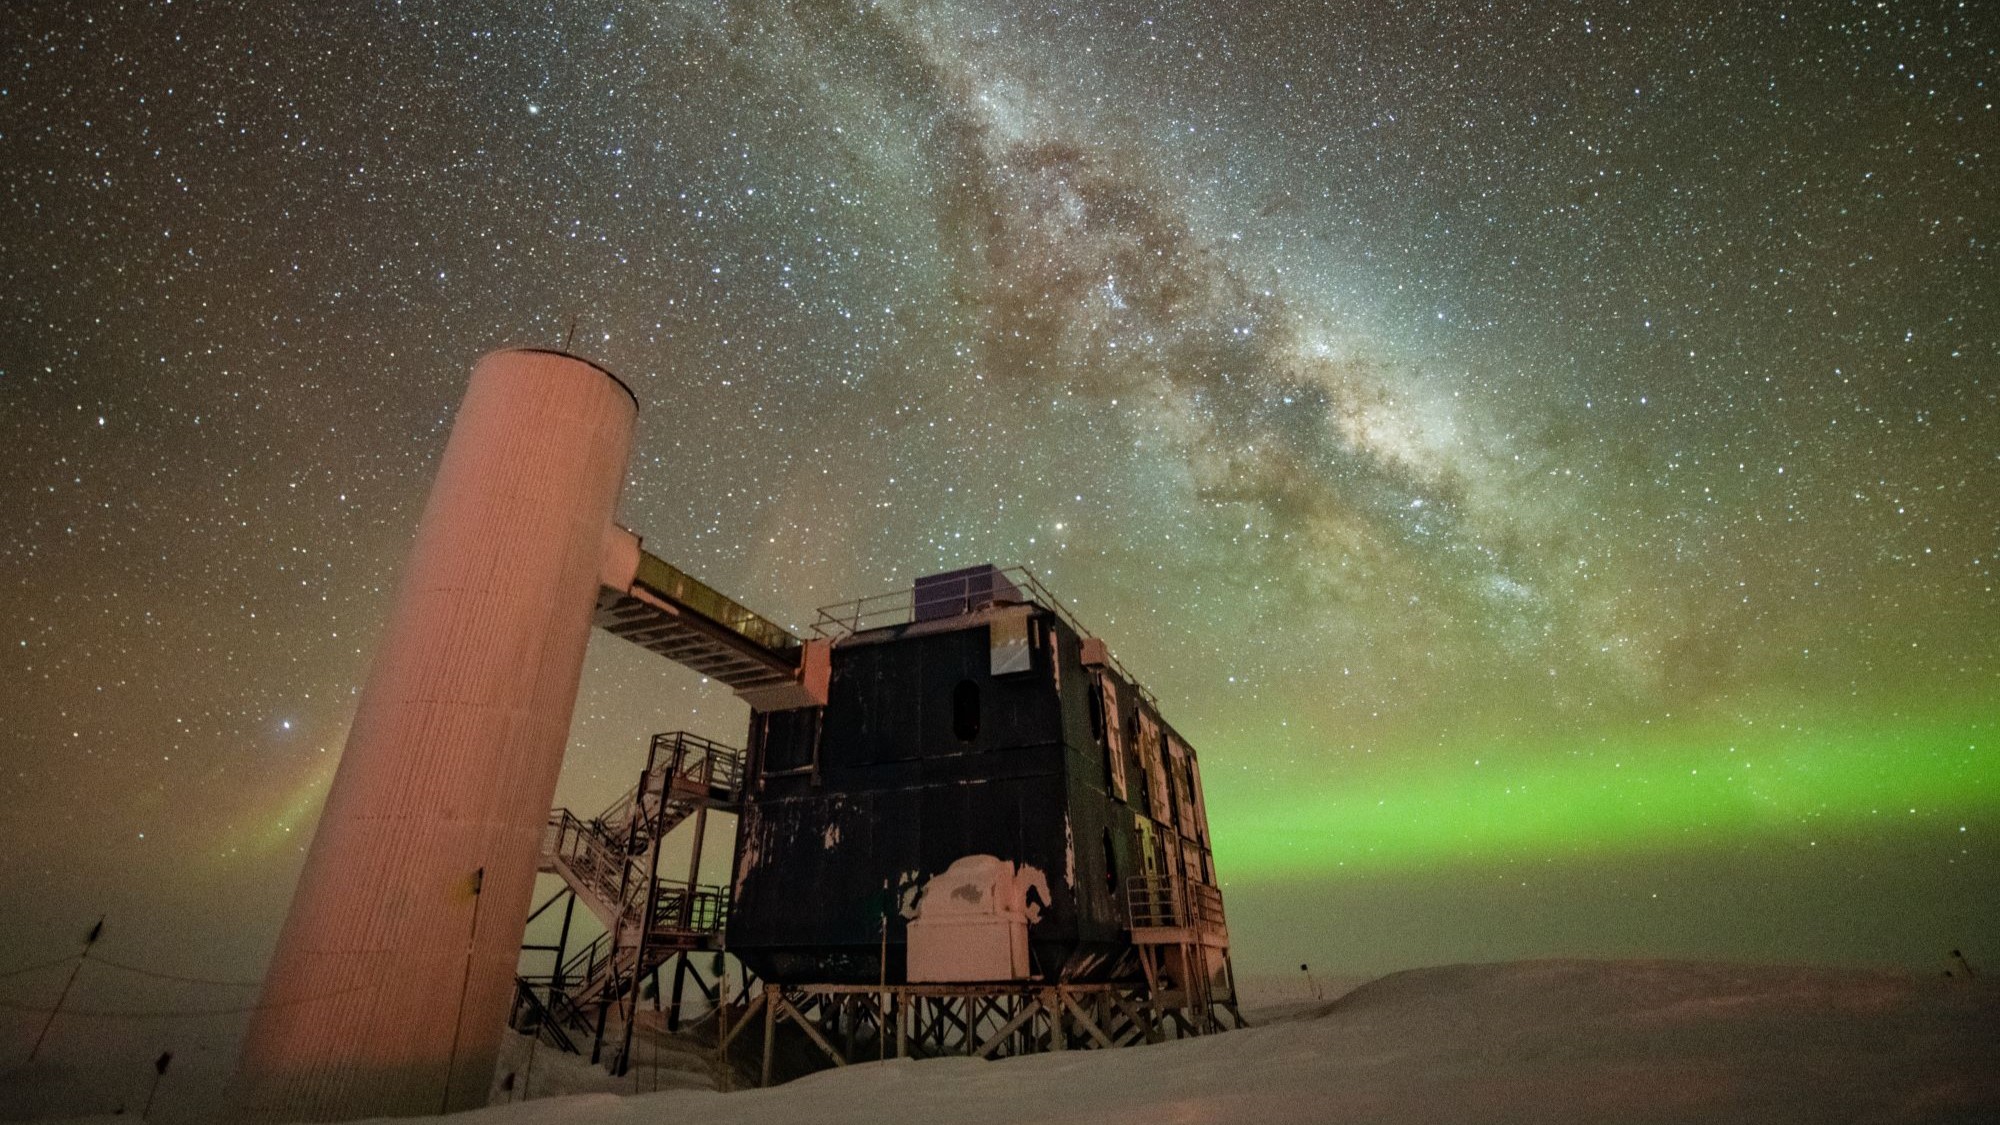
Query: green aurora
x: 1695, y: 787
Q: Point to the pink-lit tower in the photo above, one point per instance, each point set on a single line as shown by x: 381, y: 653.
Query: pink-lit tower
x: 390, y: 987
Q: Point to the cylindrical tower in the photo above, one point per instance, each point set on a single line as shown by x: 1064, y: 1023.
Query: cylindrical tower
x: 394, y: 972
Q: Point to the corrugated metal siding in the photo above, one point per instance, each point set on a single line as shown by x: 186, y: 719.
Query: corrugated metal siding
x: 373, y: 1003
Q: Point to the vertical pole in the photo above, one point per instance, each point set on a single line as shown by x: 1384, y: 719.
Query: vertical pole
x: 528, y: 1071
x: 464, y: 986
x: 556, y: 982
x: 700, y: 831
x: 88, y: 941
x: 903, y: 1026
x: 597, y: 1038
x: 159, y: 1071
x: 652, y: 761
x: 771, y: 998
x: 680, y: 983
x: 608, y: 995
x: 819, y: 726
x: 722, y: 1028
x: 652, y: 903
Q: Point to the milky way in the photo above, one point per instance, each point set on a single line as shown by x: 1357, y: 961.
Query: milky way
x: 1545, y: 458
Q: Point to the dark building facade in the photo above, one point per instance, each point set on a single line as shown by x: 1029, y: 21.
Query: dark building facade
x: 985, y: 796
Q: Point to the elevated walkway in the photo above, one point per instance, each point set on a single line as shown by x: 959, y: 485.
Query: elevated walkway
x: 667, y: 611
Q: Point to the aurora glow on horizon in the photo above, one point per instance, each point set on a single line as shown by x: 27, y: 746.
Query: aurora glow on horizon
x: 1645, y: 797
x: 1544, y: 459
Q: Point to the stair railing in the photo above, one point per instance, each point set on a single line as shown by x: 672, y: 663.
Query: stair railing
x: 697, y: 765
x: 680, y: 909
x: 615, y: 857
x: 540, y: 1017
x: 602, y: 862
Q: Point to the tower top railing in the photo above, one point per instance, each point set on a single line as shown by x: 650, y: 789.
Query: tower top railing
x: 977, y: 590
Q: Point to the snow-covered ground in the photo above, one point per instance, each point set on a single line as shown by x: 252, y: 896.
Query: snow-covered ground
x: 1537, y: 1041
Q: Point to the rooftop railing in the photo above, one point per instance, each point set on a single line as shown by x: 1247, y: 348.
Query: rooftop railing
x: 975, y: 591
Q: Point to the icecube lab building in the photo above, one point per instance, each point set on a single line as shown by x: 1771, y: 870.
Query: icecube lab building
x: 963, y: 826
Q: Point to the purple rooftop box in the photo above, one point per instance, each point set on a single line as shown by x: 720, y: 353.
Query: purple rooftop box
x: 957, y: 592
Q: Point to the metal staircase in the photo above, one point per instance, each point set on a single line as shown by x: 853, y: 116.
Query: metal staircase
x: 610, y: 864
x: 1177, y: 924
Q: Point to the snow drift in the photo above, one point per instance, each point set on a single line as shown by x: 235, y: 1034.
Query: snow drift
x: 1539, y: 1041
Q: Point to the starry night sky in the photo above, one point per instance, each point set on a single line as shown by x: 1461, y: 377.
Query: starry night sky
x: 1546, y: 458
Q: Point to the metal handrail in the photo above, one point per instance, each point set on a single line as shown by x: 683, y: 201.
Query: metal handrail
x: 582, y: 964
x: 687, y: 752
x: 675, y: 911
x: 899, y: 607
x: 569, y: 1012
x: 584, y: 848
x: 547, y: 1023
x: 615, y: 857
x: 1154, y: 902
x: 703, y: 909
x: 676, y: 756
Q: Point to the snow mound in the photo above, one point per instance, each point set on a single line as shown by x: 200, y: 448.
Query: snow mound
x: 1525, y: 1042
